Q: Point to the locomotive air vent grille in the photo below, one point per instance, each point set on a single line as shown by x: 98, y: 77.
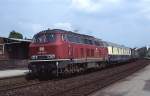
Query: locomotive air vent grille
x: 42, y: 57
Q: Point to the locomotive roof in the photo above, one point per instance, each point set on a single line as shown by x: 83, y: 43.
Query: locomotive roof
x: 63, y: 31
x: 105, y: 43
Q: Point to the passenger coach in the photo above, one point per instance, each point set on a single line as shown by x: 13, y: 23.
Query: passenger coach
x: 118, y: 53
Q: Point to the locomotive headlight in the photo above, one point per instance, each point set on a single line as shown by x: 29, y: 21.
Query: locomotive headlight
x: 52, y: 56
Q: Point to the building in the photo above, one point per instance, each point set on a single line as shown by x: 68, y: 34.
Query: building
x: 11, y: 48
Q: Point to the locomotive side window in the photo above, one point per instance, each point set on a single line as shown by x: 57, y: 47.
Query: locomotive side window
x: 43, y: 38
x: 79, y: 39
x: 90, y: 42
x: 64, y: 37
x: 70, y: 37
x: 96, y: 43
x: 82, y: 40
x: 101, y: 43
x: 50, y: 37
x: 87, y: 41
x: 74, y: 38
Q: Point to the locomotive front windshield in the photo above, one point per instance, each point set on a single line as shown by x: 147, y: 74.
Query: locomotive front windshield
x: 44, y: 38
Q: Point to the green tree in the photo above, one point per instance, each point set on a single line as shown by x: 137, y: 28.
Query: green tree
x: 14, y: 34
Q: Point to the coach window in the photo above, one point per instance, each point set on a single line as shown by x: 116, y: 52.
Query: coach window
x: 124, y: 51
x: 1, y: 49
x: 130, y: 52
x: 112, y: 50
x: 118, y: 50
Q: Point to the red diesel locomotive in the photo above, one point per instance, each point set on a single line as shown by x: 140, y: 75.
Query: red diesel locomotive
x: 58, y: 52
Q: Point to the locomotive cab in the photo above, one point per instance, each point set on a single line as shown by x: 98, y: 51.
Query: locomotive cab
x: 45, y: 46
x: 45, y: 51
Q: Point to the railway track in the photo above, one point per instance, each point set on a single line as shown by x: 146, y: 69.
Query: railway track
x: 12, y: 83
x: 82, y: 85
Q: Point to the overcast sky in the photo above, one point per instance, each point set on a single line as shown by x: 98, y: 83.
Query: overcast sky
x: 121, y: 21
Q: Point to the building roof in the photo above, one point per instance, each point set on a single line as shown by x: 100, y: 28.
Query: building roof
x: 13, y: 40
x: 21, y: 40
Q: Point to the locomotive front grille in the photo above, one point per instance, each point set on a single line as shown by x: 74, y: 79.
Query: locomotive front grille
x: 43, y: 57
